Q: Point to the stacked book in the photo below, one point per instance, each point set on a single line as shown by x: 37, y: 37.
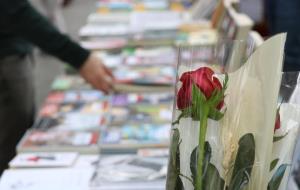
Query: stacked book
x: 70, y: 119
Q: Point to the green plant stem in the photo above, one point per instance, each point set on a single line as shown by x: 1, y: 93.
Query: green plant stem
x: 202, y: 136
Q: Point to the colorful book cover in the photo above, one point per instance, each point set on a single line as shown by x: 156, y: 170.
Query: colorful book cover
x: 141, y: 113
x: 59, y: 141
x: 141, y: 98
x: 161, y: 76
x: 131, y: 137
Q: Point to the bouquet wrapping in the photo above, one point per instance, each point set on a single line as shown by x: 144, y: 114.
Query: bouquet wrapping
x: 224, y: 134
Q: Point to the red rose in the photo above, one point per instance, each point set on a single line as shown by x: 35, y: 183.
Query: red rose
x: 205, y: 81
x: 277, y: 122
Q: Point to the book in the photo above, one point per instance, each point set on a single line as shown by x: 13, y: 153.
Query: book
x: 108, y: 18
x: 104, y: 44
x: 128, y: 172
x: 112, y: 30
x: 110, y: 60
x: 59, y: 141
x: 75, y: 116
x: 141, y: 98
x: 43, y: 160
x: 145, y: 76
x: 72, y: 122
x: 254, y: 40
x: 157, y: 56
x: 235, y: 25
x: 153, y: 152
x: 93, y: 107
x: 153, y: 20
x: 136, y: 88
x: 130, y: 137
x: 46, y: 179
x: 141, y: 113
x: 72, y: 96
x: 203, y: 9
x: 69, y: 82
x: 87, y: 161
x: 149, y: 56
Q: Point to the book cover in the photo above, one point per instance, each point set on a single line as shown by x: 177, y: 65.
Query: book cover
x: 141, y: 98
x: 146, y: 76
x: 46, y: 179
x: 141, y: 113
x: 59, y: 141
x: 131, y: 137
x: 127, y: 172
x: 69, y: 82
x: 43, y: 160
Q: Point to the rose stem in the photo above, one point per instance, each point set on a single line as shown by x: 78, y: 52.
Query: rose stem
x: 202, y: 135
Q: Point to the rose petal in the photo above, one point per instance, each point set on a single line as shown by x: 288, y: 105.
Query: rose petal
x: 208, y: 71
x: 184, y: 97
x: 277, y: 122
x: 205, y: 81
x: 217, y: 83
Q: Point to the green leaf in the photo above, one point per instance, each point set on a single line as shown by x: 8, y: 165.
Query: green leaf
x: 194, y: 160
x: 175, y: 146
x: 193, y: 163
x: 273, y: 164
x: 212, y: 179
x: 277, y: 177
x: 215, y: 114
x: 278, y: 138
x: 174, y: 163
x: 179, y: 184
x: 243, y: 163
x: 207, y: 157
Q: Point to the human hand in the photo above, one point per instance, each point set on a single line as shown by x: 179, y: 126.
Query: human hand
x: 97, y: 74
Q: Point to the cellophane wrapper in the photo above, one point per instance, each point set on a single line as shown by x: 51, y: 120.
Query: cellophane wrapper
x: 224, y: 117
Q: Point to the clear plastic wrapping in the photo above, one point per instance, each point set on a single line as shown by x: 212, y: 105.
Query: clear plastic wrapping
x: 224, y: 118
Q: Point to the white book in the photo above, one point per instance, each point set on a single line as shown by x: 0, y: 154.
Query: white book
x: 87, y: 161
x: 43, y: 160
x: 46, y: 179
x: 130, y: 172
x: 109, y: 18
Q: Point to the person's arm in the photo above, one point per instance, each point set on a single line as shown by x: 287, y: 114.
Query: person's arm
x: 20, y: 18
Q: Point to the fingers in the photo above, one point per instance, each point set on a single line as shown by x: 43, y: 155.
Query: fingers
x: 102, y: 81
x: 109, y: 72
x: 99, y: 76
x: 99, y: 84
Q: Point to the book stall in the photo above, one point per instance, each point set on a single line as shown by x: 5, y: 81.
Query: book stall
x: 198, y: 104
